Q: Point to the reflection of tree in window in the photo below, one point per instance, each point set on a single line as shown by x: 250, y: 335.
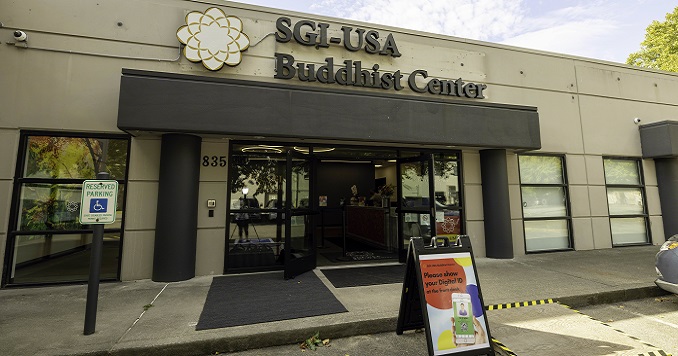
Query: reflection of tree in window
x: 621, y: 172
x: 445, y: 167
x: 264, y: 173
x: 45, y: 205
x: 541, y: 170
x: 75, y: 158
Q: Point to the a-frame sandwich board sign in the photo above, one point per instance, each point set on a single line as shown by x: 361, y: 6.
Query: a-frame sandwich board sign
x: 441, y: 293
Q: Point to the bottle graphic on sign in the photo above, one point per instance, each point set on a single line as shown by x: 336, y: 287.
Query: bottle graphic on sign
x: 464, y: 332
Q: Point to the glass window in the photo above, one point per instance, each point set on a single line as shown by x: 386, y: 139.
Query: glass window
x: 415, y: 185
x: 74, y: 157
x: 621, y: 172
x: 626, y: 201
x: 44, y: 206
x: 546, y: 235
x: 628, y: 230
x: 49, y: 258
x: 541, y: 170
x: 545, y: 204
x: 447, y: 199
x: 48, y: 242
x: 446, y: 175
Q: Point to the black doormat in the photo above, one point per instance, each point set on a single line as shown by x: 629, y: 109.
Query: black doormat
x: 365, y: 276
x: 260, y: 298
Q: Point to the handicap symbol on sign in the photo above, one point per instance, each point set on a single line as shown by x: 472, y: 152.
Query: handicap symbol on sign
x: 98, y: 205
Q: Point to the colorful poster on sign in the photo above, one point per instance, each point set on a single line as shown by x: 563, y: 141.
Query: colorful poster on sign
x: 456, y: 315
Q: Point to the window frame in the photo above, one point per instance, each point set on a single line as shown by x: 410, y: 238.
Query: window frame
x: 19, y: 181
x: 568, y: 215
x: 641, y: 185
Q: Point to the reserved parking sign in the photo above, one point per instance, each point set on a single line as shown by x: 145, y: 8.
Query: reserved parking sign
x: 99, y: 202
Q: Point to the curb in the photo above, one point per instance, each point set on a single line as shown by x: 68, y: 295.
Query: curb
x: 227, y: 344
x: 612, y: 296
x: 237, y: 343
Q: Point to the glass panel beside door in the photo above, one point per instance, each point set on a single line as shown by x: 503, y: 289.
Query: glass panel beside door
x: 415, y: 204
x: 430, y: 200
x: 256, y: 215
x: 447, y: 195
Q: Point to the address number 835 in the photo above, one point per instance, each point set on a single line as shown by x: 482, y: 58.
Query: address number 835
x: 214, y: 161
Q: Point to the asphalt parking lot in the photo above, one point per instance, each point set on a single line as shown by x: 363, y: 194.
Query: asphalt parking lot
x: 646, y: 326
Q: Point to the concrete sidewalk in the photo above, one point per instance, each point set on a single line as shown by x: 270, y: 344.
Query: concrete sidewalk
x: 150, y: 318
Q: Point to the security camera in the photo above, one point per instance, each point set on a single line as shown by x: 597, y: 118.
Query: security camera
x: 20, y: 35
x: 636, y: 121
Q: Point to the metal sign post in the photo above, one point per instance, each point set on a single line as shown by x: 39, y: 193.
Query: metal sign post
x: 98, y: 207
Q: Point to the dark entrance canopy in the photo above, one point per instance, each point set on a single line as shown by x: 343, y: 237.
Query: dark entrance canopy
x: 151, y: 101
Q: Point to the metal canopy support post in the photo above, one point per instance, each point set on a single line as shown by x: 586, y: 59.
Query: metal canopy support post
x: 176, y: 230
x: 496, y: 204
x: 667, y: 176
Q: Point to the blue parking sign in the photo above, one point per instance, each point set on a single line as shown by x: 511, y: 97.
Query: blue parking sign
x: 99, y: 205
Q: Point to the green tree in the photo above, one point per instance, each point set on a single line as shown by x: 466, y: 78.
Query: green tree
x: 659, y: 50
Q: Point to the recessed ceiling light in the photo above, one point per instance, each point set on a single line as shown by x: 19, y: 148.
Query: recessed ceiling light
x: 315, y: 149
x: 261, y: 149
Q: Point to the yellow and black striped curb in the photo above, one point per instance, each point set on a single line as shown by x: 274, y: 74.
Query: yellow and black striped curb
x: 655, y: 353
x: 651, y: 353
x: 503, y: 347
x: 519, y: 304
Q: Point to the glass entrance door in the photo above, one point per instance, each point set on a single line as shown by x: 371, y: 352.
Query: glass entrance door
x: 416, y: 208
x: 271, y: 215
x: 299, y: 251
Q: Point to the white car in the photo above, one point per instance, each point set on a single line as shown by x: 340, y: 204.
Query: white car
x: 666, y: 264
x: 272, y: 204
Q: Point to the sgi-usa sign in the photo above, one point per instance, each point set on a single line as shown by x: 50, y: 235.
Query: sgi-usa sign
x: 99, y: 202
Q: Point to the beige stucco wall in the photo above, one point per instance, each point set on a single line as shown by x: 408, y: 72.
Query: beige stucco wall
x: 472, y: 200
x: 141, y: 208
x: 68, y: 79
x: 212, y: 230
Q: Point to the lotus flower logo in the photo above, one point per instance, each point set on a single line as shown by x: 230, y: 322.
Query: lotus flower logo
x: 213, y: 38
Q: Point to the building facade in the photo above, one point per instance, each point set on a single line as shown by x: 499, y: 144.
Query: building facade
x: 246, y: 138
